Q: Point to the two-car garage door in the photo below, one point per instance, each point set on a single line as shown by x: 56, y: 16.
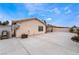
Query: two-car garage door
x: 61, y: 29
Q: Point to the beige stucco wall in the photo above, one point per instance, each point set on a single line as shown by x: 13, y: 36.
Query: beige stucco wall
x: 30, y: 28
x: 61, y: 29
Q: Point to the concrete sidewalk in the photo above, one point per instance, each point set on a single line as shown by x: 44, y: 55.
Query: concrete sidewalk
x: 55, y: 43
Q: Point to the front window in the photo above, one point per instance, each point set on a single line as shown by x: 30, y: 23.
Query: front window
x: 40, y: 28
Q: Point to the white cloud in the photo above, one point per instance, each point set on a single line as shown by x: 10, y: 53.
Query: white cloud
x: 34, y: 8
x: 67, y: 10
x: 77, y: 16
x: 56, y: 10
x: 49, y: 19
x: 2, y: 17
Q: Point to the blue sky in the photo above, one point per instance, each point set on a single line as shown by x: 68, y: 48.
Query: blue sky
x: 60, y: 14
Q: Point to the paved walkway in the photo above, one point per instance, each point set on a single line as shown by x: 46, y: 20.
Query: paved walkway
x: 56, y: 43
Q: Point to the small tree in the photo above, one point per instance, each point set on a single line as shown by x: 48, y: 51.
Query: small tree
x: 0, y: 23
x: 5, y: 23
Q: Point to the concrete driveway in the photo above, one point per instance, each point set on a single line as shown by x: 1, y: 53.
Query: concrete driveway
x: 55, y: 43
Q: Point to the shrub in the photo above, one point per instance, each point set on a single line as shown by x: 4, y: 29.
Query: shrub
x: 75, y: 38
x: 24, y: 36
x: 78, y: 32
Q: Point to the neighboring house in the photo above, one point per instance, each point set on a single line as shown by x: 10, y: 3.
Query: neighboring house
x: 6, y: 28
x: 30, y: 26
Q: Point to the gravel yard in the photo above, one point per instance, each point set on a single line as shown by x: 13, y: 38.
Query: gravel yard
x: 55, y: 43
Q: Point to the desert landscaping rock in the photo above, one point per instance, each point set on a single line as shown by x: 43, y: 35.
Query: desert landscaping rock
x: 55, y: 43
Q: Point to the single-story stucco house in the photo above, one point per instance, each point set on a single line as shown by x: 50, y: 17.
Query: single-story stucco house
x: 29, y: 26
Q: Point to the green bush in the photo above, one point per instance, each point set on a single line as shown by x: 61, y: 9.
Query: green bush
x: 24, y: 36
x: 75, y: 38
